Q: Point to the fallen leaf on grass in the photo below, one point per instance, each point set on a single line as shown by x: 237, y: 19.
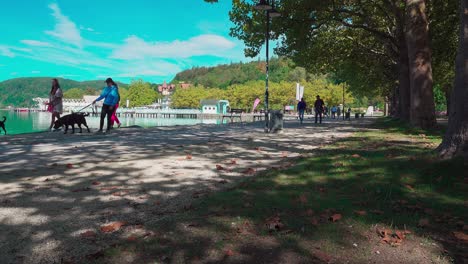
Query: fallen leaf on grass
x: 95, y: 183
x: 258, y: 149
x: 88, y: 234
x: 229, y: 252
x: 69, y: 165
x: 219, y: 167
x: 132, y: 238
x: 322, y: 256
x: 393, y: 238
x: 362, y: 212
x: 356, y: 156
x: 335, y: 217
x: 274, y: 223
x: 409, y: 187
x: 113, y: 226
x: 314, y: 221
x: 249, y: 171
x: 423, y: 222
x: 461, y: 236
x: 234, y: 162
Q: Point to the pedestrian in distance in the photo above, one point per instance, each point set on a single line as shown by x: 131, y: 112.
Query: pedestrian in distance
x: 301, y: 107
x: 318, y: 106
x: 55, y: 104
x: 110, y: 94
x: 333, y: 112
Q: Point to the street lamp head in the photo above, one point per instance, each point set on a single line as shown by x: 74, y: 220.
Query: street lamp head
x: 263, y: 6
x: 274, y: 13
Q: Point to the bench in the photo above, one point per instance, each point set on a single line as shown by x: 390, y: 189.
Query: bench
x: 233, y: 113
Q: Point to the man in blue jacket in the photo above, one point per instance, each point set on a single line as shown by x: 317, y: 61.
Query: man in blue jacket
x: 110, y: 94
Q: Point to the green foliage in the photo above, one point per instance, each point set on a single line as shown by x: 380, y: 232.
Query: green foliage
x: 440, y: 99
x: 74, y: 93
x: 358, y: 42
x: 139, y: 93
x: 281, y: 94
x: 222, y: 76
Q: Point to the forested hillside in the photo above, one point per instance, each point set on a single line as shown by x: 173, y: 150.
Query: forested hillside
x: 20, y: 91
x: 223, y: 76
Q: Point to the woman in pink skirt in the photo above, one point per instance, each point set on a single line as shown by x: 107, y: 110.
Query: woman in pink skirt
x: 114, y: 117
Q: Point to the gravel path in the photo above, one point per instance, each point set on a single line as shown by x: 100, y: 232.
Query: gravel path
x: 57, y: 191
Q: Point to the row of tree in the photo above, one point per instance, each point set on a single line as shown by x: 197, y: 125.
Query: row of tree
x: 396, y: 48
x: 281, y: 94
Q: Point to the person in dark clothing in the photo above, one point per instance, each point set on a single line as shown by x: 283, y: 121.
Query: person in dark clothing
x: 301, y: 107
x: 110, y: 94
x: 318, y: 105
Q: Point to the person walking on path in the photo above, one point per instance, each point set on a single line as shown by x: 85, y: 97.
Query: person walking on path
x: 338, y: 112
x: 55, y: 104
x: 301, y: 107
x: 318, y: 105
x: 114, y: 118
x: 333, y: 112
x: 110, y: 94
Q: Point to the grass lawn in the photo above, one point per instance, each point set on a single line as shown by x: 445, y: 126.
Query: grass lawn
x: 380, y: 196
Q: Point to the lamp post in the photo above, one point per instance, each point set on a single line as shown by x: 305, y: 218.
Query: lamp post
x: 271, y: 12
x: 343, y: 102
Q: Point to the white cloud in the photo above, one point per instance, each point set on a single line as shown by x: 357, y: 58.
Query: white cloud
x: 87, y: 28
x: 35, y: 72
x: 36, y: 43
x: 137, y: 48
x: 65, y: 29
x: 6, y: 52
x: 147, y: 68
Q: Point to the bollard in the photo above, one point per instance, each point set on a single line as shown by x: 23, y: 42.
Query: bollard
x: 276, y: 121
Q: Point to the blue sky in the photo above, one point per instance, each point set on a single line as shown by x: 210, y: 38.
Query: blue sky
x: 123, y: 39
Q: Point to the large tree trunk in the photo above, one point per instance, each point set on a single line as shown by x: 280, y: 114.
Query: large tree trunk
x: 422, y: 113
x: 404, y: 81
x: 455, y: 141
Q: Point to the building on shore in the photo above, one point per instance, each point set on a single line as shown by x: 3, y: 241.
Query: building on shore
x: 166, y: 89
x: 211, y: 106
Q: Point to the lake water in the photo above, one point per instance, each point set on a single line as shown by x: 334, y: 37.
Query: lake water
x: 25, y: 122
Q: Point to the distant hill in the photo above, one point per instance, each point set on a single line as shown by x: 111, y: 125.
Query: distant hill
x: 222, y: 76
x: 20, y: 91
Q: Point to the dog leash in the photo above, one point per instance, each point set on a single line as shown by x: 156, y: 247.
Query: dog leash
x: 84, y: 108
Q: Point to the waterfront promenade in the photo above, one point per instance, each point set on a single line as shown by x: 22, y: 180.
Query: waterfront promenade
x: 57, y: 189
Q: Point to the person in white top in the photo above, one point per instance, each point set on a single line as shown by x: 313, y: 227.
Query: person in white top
x: 55, y: 104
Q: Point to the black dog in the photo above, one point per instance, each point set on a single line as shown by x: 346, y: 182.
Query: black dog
x: 71, y: 120
x: 2, y: 124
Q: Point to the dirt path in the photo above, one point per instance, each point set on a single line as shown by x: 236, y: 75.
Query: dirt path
x: 54, y: 187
